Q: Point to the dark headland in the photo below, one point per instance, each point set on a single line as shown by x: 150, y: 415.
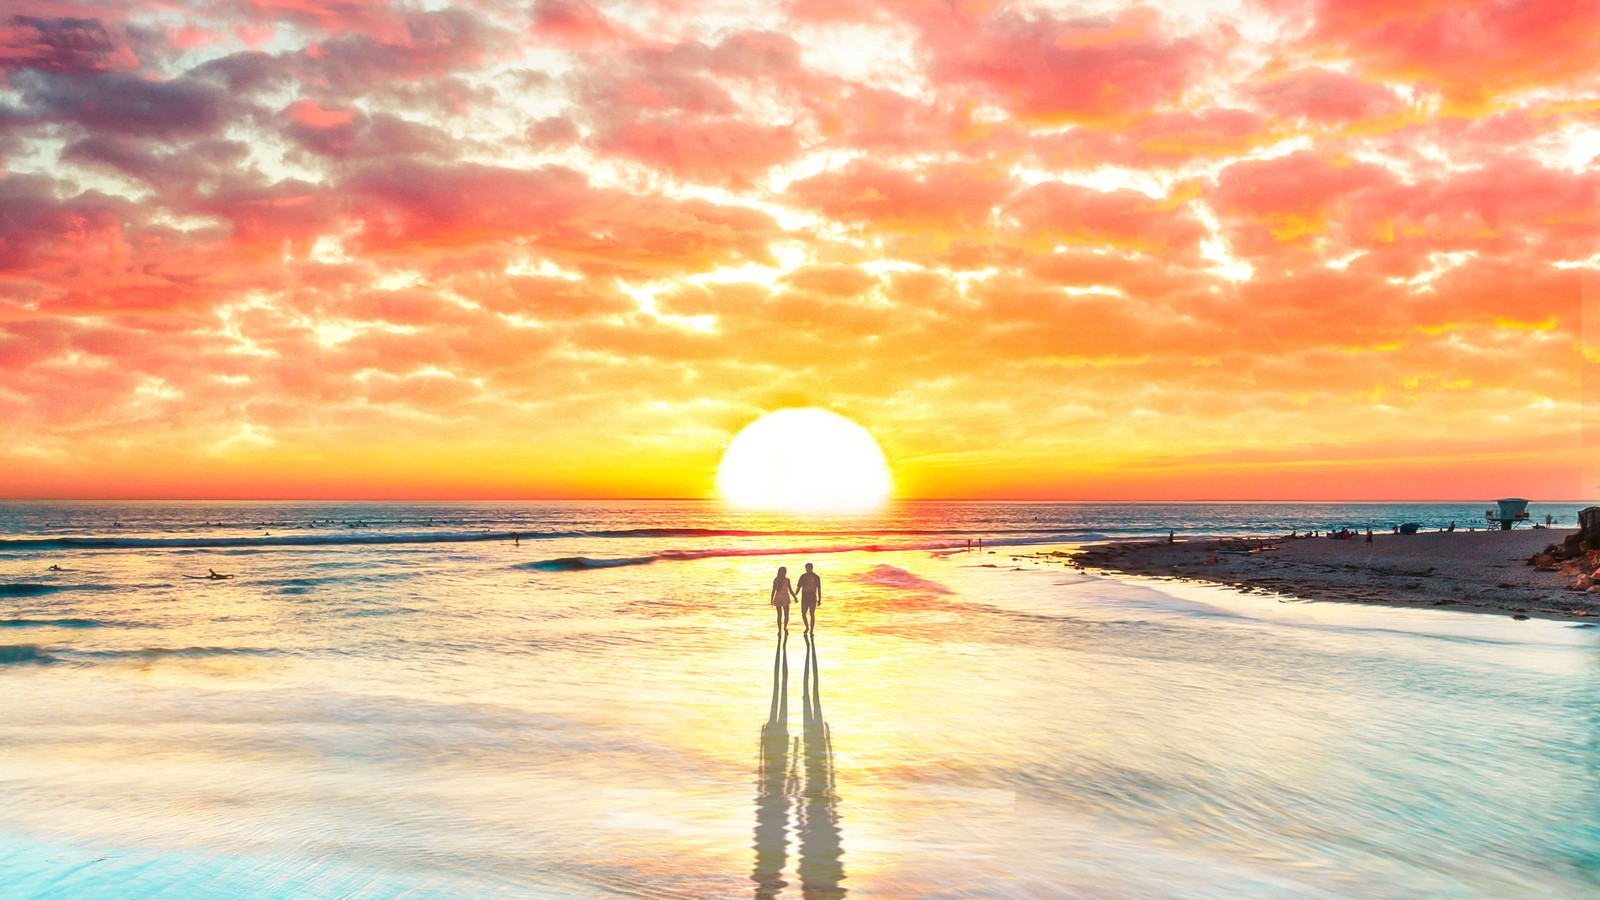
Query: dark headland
x: 1484, y: 571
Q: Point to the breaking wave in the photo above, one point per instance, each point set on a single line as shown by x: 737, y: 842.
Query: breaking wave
x: 582, y: 563
x: 168, y: 652
x: 19, y: 654
x: 895, y: 577
x: 1013, y: 536
x: 579, y: 563
x: 52, y: 623
x: 29, y: 589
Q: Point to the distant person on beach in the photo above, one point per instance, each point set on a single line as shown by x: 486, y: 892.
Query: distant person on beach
x: 969, y: 545
x: 782, y: 593
x: 1452, y: 526
x: 809, y: 586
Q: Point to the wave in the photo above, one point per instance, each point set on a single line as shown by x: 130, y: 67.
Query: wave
x: 15, y: 654
x: 900, y: 579
x: 29, y: 589
x: 21, y: 654
x: 288, y: 540
x: 52, y: 623
x: 166, y: 652
x: 1007, y: 537
x: 581, y: 563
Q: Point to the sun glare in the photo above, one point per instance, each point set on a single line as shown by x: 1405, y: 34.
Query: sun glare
x: 804, y: 460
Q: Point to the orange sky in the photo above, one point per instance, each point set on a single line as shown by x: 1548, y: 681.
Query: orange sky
x: 1257, y: 249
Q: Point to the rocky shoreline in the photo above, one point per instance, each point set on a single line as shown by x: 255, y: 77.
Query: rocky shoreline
x: 1472, y: 571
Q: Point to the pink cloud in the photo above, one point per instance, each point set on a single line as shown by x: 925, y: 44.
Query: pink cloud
x: 1055, y: 70
x: 63, y: 46
x: 938, y: 195
x: 1053, y: 212
x: 721, y: 151
x: 1464, y: 49
x: 310, y: 115
x: 1323, y: 95
x: 574, y: 23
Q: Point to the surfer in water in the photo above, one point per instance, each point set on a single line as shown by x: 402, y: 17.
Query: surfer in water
x: 782, y: 593
x: 809, y: 587
x: 215, y: 577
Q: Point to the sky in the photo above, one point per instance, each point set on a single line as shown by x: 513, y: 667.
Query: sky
x: 1235, y: 250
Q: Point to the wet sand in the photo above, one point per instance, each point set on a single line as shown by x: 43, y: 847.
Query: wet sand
x: 1481, y: 571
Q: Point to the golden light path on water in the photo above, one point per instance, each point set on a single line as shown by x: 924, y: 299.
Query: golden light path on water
x: 451, y: 720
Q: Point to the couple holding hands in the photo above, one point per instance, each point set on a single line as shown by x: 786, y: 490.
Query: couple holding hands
x: 808, y: 588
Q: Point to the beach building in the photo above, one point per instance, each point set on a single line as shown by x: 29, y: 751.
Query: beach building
x: 1508, y: 513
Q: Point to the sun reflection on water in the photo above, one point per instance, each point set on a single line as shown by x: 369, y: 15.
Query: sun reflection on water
x: 795, y: 782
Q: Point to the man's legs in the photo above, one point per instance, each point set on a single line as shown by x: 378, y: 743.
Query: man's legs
x: 808, y: 614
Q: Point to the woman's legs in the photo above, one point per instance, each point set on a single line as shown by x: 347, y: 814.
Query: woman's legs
x: 783, y: 615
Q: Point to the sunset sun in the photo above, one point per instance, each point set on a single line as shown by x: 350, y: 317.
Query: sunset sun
x: 804, y: 460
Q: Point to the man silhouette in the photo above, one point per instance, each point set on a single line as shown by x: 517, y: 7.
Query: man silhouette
x: 810, y: 586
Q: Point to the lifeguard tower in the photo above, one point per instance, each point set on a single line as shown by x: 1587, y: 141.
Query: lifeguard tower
x: 1508, y: 513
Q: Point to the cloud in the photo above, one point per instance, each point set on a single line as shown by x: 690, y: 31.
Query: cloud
x: 1048, y: 69
x: 37, y: 225
x: 723, y: 151
x: 1323, y: 95
x: 269, y: 241
x: 871, y: 193
x: 63, y: 46
x: 1467, y: 51
x: 127, y: 104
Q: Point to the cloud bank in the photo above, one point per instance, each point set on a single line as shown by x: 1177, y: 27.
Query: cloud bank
x: 1253, y: 249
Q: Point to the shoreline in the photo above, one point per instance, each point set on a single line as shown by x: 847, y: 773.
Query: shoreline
x: 1482, y: 572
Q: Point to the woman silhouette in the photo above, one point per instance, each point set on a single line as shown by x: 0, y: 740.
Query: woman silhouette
x: 782, y: 593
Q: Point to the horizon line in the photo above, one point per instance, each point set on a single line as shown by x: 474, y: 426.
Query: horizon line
x: 718, y: 500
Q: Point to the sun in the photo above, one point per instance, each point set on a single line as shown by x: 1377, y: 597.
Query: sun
x: 806, y: 461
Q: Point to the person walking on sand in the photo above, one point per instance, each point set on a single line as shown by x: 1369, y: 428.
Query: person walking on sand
x: 810, y: 589
x: 782, y: 593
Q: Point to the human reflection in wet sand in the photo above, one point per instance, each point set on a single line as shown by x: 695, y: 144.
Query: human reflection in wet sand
x: 772, y: 784
x: 813, y: 794
x: 821, y: 856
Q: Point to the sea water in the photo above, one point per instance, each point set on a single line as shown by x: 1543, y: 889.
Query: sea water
x: 591, y: 700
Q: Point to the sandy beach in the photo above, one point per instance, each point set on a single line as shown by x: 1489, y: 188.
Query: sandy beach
x: 1481, y: 571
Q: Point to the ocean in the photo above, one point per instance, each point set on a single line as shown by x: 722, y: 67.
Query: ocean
x: 590, y: 700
